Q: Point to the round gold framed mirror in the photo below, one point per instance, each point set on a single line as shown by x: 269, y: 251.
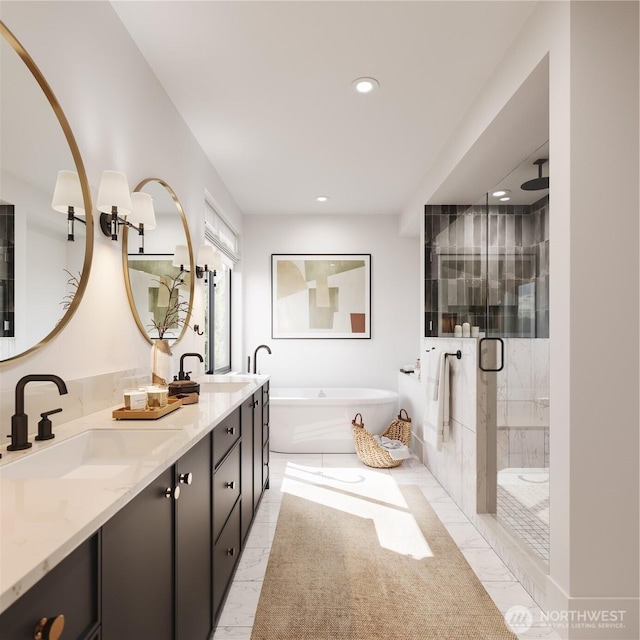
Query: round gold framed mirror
x: 160, y: 292
x: 46, y: 252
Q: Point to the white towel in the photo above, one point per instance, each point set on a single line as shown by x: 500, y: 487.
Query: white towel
x: 396, y: 449
x: 436, y: 414
x: 443, y: 389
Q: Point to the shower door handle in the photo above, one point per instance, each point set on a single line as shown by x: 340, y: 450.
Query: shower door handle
x: 480, y: 351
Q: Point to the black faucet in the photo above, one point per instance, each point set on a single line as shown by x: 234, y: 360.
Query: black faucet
x: 181, y: 374
x: 255, y: 356
x: 20, y: 421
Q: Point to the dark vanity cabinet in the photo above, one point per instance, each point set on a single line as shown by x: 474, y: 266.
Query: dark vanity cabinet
x: 161, y: 566
x: 265, y: 436
x: 193, y: 569
x: 254, y: 415
x: 247, y: 424
x: 156, y: 556
x: 71, y: 589
x: 137, y: 565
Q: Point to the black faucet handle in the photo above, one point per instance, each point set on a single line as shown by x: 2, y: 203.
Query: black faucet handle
x: 186, y: 375
x: 48, y: 413
x: 44, y: 426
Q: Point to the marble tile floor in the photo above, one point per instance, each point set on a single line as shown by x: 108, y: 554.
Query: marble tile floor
x: 523, y: 507
x: 325, y: 473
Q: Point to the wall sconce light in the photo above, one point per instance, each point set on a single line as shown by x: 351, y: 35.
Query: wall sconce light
x: 209, y: 260
x: 67, y: 198
x: 113, y: 198
x: 120, y: 207
x: 142, y: 214
x: 181, y: 257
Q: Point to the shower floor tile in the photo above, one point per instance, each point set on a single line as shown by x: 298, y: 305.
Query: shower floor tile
x: 523, y: 506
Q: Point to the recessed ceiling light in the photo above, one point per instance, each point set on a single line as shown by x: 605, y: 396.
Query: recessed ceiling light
x: 505, y: 198
x: 501, y: 192
x: 322, y: 198
x: 365, y: 85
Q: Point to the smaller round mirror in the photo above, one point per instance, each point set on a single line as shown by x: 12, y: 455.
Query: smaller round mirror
x: 158, y: 266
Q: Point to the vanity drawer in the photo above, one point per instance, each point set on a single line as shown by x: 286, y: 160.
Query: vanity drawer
x: 225, y: 558
x: 69, y: 589
x: 226, y: 490
x: 225, y: 435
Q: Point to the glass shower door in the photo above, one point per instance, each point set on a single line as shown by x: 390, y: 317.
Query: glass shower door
x: 514, y: 361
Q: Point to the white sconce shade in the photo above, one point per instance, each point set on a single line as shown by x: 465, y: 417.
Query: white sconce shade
x: 142, y: 211
x: 114, y: 192
x: 208, y: 257
x: 181, y: 257
x: 68, y: 193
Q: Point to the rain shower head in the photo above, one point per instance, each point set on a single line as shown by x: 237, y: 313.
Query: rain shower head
x: 539, y: 182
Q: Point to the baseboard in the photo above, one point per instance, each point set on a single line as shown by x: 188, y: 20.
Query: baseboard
x: 591, y: 618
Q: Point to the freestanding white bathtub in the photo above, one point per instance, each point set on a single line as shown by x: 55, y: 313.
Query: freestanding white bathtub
x: 308, y: 420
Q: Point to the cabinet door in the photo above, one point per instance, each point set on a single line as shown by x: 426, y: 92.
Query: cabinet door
x: 193, y: 544
x: 70, y: 589
x: 137, y: 567
x: 257, y: 450
x: 246, y: 471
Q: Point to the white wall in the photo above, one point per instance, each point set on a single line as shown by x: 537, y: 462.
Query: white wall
x: 594, y: 225
x: 122, y: 119
x: 395, y: 282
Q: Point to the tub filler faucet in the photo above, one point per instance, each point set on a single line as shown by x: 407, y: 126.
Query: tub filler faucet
x: 255, y: 356
x: 20, y: 420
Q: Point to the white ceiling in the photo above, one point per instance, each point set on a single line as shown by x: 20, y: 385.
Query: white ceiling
x: 265, y: 87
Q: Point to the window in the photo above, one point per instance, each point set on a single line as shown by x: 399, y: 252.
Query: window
x: 219, y: 291
x: 218, y: 322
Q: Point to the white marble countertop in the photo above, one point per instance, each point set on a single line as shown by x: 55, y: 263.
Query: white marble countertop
x: 44, y: 518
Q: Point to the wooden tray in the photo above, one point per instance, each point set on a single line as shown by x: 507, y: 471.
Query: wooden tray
x: 147, y: 414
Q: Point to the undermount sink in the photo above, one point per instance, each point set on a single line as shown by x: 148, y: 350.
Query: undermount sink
x: 222, y: 387
x: 94, y: 454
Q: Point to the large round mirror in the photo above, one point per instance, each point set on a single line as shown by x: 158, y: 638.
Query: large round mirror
x: 160, y: 292
x: 45, y: 254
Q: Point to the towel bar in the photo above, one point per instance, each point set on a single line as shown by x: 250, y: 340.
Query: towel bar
x: 457, y: 354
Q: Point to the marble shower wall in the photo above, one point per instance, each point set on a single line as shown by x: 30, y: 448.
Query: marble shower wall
x: 523, y: 404
x: 460, y: 464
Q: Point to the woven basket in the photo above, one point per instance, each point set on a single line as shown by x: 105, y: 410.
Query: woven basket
x: 370, y: 452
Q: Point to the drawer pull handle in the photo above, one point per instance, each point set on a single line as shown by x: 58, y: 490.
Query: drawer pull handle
x: 230, y: 485
x: 172, y: 493
x: 231, y: 552
x: 49, y: 628
x: 266, y: 464
x: 255, y: 404
x: 186, y: 478
x: 231, y: 430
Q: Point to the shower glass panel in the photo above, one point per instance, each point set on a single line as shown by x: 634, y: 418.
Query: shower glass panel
x: 517, y: 312
x: 488, y: 264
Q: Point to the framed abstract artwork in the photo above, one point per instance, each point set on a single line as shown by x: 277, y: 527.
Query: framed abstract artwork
x: 321, y: 295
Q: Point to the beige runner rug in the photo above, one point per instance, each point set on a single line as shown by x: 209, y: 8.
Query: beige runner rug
x: 329, y: 578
